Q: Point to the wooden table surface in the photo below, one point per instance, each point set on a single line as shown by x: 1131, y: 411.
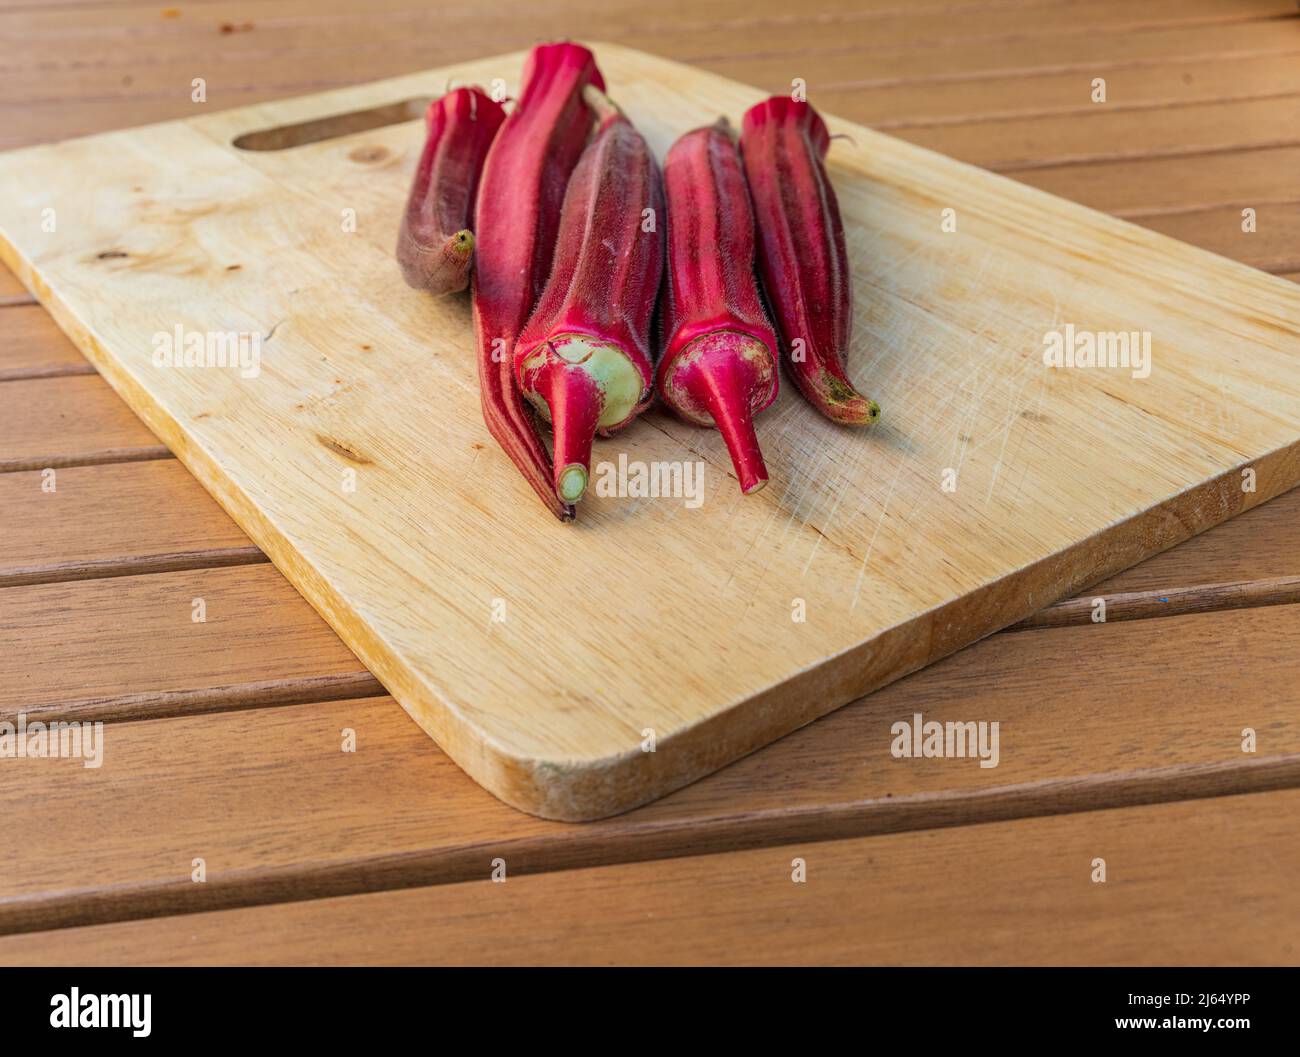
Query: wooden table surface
x: 226, y: 822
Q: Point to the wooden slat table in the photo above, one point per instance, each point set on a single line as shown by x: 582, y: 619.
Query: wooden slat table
x: 1120, y: 741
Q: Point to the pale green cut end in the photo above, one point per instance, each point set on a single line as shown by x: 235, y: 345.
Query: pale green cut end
x: 463, y: 242
x: 573, y: 482
x: 620, y: 383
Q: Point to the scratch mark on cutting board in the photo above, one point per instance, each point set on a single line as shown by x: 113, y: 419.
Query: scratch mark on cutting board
x: 339, y: 448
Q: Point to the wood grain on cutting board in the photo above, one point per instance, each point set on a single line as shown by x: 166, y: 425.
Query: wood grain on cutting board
x: 647, y: 614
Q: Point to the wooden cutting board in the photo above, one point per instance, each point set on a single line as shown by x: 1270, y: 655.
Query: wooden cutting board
x: 547, y: 659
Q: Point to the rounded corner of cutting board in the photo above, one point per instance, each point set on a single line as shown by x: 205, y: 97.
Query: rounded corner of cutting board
x: 566, y: 786
x: 572, y: 789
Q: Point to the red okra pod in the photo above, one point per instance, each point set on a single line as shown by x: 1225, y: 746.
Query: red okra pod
x: 518, y: 215
x: 719, y: 363
x: 436, y: 241
x: 584, y: 358
x: 802, y: 258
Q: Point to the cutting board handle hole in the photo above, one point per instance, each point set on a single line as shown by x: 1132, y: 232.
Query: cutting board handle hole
x: 320, y: 129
